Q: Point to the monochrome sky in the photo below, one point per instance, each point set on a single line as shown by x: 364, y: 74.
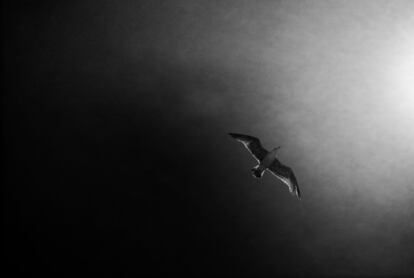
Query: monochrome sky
x: 115, y: 121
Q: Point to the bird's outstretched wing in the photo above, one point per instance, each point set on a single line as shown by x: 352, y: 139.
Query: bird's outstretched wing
x: 286, y: 175
x: 252, y: 144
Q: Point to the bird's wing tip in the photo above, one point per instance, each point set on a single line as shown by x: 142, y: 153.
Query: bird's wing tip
x: 295, y: 192
x: 235, y: 135
x: 299, y: 195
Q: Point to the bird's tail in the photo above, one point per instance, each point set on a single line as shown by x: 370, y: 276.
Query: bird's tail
x: 257, y: 171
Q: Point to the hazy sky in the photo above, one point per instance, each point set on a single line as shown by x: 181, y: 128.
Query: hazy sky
x: 115, y: 124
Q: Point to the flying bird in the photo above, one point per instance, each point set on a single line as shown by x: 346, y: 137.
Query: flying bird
x: 268, y: 161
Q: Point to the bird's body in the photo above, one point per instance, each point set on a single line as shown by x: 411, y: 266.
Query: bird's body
x: 268, y: 161
x: 264, y: 163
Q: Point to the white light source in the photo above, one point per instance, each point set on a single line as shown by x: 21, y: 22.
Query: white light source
x: 400, y: 80
x: 402, y: 71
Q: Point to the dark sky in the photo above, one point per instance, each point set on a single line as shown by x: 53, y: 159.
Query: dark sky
x: 116, y: 159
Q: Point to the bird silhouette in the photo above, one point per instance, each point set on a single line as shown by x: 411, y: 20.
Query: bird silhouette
x: 268, y: 161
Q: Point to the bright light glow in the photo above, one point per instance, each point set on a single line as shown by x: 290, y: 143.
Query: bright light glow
x: 402, y: 70
x: 351, y: 99
x: 400, y: 78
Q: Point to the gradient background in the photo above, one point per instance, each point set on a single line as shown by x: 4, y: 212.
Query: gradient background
x: 116, y: 158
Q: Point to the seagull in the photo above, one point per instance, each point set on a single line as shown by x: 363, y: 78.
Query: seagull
x: 268, y: 161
